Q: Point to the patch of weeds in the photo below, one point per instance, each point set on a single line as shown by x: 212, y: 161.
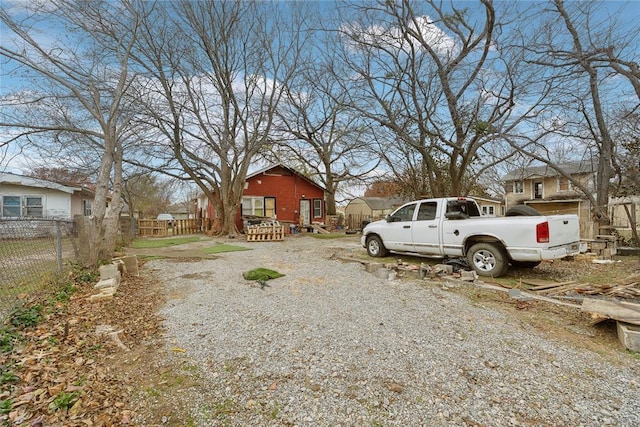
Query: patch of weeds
x: 64, y: 288
x: 64, y: 401
x: 95, y: 348
x: 635, y: 354
x: 275, y: 411
x: 25, y: 316
x: 6, y: 406
x: 224, y: 408
x: 79, y: 382
x: 223, y: 247
x: 8, y: 377
x: 7, y: 340
x: 152, y: 392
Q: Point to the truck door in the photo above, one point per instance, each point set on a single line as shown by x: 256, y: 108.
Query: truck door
x: 397, y: 235
x: 426, y: 229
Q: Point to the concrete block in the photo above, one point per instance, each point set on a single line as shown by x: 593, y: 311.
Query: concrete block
x: 442, y: 269
x: 517, y: 294
x: 468, y: 276
x: 100, y: 297
x: 106, y: 283
x: 130, y: 264
x: 629, y: 335
x: 372, y: 267
x: 108, y: 271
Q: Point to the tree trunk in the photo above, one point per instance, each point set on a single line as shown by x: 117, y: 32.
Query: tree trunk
x: 112, y: 215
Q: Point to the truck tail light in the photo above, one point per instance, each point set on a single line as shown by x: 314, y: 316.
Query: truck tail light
x: 542, y: 232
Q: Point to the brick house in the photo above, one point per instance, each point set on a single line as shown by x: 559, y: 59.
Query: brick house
x: 276, y: 192
x: 550, y: 193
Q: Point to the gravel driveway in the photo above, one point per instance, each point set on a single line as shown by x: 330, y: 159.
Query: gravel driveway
x: 332, y: 345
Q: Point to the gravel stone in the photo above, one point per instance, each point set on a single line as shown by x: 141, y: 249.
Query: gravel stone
x: 329, y: 344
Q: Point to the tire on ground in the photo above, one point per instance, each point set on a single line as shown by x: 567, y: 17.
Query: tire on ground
x: 375, y: 247
x: 522, y: 210
x: 487, y: 259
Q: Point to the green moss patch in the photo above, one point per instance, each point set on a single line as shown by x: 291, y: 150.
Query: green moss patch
x: 262, y: 274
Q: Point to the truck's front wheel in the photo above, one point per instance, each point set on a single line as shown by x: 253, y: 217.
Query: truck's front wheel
x: 375, y: 247
x: 487, y: 259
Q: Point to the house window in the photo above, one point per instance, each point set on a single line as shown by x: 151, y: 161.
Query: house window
x: 317, y: 208
x: 563, y: 184
x: 537, y: 190
x: 86, y: 207
x: 518, y: 187
x: 33, y: 206
x: 253, y: 206
x: 10, y: 206
x: 488, y: 210
x: 270, y: 207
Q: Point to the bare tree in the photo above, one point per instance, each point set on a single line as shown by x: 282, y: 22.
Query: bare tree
x: 319, y: 131
x: 430, y: 76
x: 215, y: 73
x: 581, y: 55
x: 76, y: 93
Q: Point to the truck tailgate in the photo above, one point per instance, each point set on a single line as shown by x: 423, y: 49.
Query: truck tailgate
x: 563, y: 229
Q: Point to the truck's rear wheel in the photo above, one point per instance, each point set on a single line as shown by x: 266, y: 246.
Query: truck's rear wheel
x: 487, y: 259
x: 375, y: 247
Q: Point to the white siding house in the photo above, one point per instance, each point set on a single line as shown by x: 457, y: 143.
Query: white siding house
x: 26, y: 197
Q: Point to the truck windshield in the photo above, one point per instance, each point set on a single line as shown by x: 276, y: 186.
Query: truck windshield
x: 467, y: 207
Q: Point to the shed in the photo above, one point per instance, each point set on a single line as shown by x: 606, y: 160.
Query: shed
x: 366, y: 209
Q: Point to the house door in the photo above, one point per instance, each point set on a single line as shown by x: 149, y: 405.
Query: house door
x: 305, y: 212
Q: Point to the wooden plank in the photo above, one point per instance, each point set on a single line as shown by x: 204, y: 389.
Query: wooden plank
x: 320, y: 229
x: 538, y: 282
x: 549, y: 285
x: 618, y: 310
x: 526, y: 294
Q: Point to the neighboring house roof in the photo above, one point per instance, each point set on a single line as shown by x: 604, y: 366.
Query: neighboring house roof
x: 27, y: 181
x: 382, y: 203
x: 570, y: 168
x: 485, y: 199
x: 295, y: 172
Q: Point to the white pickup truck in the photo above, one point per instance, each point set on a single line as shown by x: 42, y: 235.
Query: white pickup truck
x: 454, y: 227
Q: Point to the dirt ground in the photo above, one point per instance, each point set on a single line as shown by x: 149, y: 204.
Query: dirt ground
x: 104, y: 382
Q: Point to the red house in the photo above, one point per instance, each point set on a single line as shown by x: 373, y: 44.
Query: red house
x: 283, y: 194
x: 280, y: 193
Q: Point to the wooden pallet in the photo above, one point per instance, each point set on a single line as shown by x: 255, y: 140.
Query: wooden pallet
x: 265, y: 233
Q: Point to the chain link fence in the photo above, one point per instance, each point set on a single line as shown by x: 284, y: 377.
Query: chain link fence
x: 31, y: 252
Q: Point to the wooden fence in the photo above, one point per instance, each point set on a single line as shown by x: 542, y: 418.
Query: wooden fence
x: 163, y: 228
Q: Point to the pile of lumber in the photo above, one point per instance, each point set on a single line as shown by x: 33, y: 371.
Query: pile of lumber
x: 628, y: 288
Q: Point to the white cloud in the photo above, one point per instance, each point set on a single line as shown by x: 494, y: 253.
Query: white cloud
x: 428, y: 34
